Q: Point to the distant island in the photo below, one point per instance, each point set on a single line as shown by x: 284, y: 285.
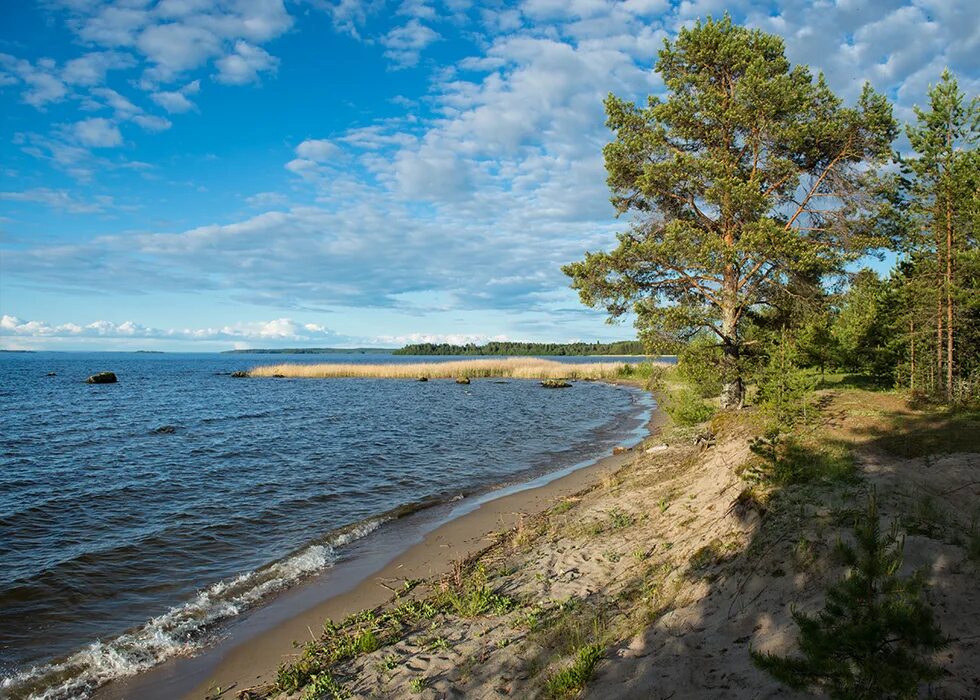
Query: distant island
x: 500, y: 348
x: 622, y: 347
x: 311, y: 351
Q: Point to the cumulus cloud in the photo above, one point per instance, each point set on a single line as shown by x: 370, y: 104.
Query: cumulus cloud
x: 280, y: 329
x: 404, y: 44
x: 97, y: 133
x: 244, y: 64
x: 485, y: 184
x: 177, y: 101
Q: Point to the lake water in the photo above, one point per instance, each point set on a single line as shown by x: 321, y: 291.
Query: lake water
x: 136, y: 517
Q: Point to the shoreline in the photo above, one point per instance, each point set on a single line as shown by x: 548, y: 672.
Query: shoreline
x: 251, y: 649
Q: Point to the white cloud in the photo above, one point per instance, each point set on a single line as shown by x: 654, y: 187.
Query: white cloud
x: 97, y: 133
x: 59, y: 199
x: 176, y: 101
x: 42, y: 85
x: 91, y: 68
x: 318, y: 150
x: 404, y: 44
x: 244, y: 64
x: 279, y: 329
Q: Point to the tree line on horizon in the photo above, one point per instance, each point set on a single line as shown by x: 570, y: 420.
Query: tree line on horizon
x: 751, y: 191
x: 502, y: 347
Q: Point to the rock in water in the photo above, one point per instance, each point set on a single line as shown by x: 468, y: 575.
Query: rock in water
x: 52, y: 374
x: 165, y: 430
x: 102, y: 378
x: 423, y: 379
x: 462, y: 380
x: 239, y: 374
x: 619, y: 449
x: 555, y: 384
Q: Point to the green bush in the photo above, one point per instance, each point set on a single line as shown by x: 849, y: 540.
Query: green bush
x: 686, y: 407
x: 876, y: 634
x: 699, y: 363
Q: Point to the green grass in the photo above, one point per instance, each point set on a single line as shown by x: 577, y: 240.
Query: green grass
x: 571, y: 679
x: 621, y: 519
x: 686, y: 408
x: 790, y: 461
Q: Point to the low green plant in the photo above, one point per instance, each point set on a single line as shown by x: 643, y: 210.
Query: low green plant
x: 568, y: 681
x: 787, y: 460
x: 686, y: 408
x: 876, y: 632
x: 469, y: 595
x: 620, y: 518
x: 417, y: 684
x: 324, y: 686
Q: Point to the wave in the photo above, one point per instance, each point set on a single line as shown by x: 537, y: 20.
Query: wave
x: 180, y: 631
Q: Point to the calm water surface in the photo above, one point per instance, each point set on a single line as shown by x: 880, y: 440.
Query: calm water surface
x: 136, y: 516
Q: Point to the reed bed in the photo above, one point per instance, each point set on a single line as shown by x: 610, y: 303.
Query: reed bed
x: 512, y: 368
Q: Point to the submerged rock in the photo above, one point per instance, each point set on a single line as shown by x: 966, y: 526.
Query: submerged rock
x: 165, y: 430
x: 52, y: 374
x: 239, y: 374
x: 102, y: 378
x: 462, y: 380
x: 555, y: 384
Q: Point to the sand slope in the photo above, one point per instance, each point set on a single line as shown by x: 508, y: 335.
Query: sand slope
x: 675, y: 577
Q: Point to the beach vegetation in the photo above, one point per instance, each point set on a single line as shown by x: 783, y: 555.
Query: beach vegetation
x: 571, y: 679
x: 620, y: 518
x: 323, y: 686
x: 686, y: 408
x: 876, y: 633
x: 786, y: 460
x: 417, y: 684
x: 511, y: 368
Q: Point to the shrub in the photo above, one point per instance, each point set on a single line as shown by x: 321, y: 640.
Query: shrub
x: 874, y: 635
x: 699, y: 363
x: 685, y: 407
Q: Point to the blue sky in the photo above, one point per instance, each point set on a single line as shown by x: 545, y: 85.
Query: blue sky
x: 189, y: 175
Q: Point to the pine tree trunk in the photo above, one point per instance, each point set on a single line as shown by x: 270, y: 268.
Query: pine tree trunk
x: 949, y: 297
x: 733, y: 389
x: 939, y: 343
x: 912, y: 354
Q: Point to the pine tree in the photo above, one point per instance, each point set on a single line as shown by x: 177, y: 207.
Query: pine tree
x: 874, y: 635
x: 748, y: 170
x: 942, y: 190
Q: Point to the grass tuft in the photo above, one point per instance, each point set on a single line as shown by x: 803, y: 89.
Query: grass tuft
x: 571, y: 679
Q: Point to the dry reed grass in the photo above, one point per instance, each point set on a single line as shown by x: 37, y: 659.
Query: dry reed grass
x: 511, y: 367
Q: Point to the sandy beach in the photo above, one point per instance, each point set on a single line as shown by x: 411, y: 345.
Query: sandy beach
x: 250, y: 657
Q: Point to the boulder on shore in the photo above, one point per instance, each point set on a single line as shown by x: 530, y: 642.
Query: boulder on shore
x: 555, y: 384
x: 102, y: 378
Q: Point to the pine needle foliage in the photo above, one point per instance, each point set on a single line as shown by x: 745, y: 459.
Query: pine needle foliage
x: 875, y: 634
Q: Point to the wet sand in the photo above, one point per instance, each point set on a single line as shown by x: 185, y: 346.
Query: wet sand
x: 417, y: 547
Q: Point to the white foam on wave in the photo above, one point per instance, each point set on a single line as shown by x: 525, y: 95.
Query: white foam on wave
x: 179, y: 631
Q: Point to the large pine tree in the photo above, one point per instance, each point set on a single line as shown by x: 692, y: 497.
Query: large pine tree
x: 748, y: 170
